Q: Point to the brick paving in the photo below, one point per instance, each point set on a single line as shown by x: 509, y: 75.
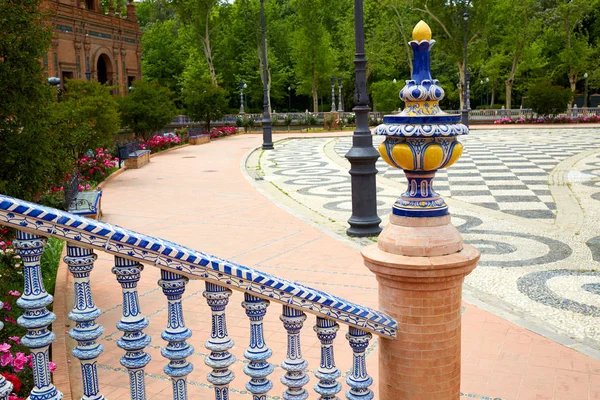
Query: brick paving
x: 198, y: 196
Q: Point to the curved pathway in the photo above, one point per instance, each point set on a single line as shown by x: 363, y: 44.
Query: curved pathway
x: 198, y: 196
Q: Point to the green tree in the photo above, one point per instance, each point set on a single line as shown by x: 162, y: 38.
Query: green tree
x: 204, y: 100
x: 87, y: 117
x: 31, y: 157
x: 147, y: 108
x: 165, y: 54
x: 386, y: 96
x: 311, y: 49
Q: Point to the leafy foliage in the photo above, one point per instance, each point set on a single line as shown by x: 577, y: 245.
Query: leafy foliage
x: 147, y: 109
x: 386, y: 96
x: 87, y: 117
x: 204, y: 100
x: 547, y: 99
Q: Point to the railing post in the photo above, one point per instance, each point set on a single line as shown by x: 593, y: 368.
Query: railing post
x: 176, y: 334
x: 86, y: 331
x: 294, y: 365
x: 327, y: 373
x: 36, y: 317
x: 6, y: 387
x: 132, y: 323
x: 359, y: 380
x: 258, y: 369
x: 219, y: 343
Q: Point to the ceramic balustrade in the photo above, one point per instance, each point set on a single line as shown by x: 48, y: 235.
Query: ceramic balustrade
x: 178, y: 264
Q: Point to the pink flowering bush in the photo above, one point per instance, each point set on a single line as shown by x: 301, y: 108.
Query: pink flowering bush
x: 161, y: 142
x: 96, y: 167
x: 561, y: 119
x: 222, y: 131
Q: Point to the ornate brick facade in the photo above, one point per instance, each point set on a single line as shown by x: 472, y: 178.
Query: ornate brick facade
x: 107, y: 47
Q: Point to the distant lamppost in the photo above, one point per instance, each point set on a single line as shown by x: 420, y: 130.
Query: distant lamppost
x: 585, y: 98
x: 266, y: 125
x: 289, y: 99
x: 131, y: 89
x: 55, y: 81
x: 487, y: 92
x: 333, y: 94
x: 465, y: 110
x: 362, y: 156
x: 88, y: 74
x: 395, y: 80
x: 481, y: 83
x: 246, y: 94
x: 241, y: 97
x: 340, y: 102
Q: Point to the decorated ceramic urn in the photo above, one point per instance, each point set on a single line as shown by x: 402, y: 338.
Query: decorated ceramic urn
x: 421, y: 139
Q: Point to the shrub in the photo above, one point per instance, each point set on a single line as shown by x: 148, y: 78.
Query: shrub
x: 547, y: 99
x: 161, y: 142
x: 386, y: 95
x: 148, y: 108
x: 222, y: 131
x: 96, y: 167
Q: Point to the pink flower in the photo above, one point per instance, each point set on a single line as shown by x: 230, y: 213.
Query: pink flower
x: 7, y: 306
x: 30, y: 361
x: 15, y: 293
x: 4, y: 348
x: 15, y: 339
x: 52, y: 366
x: 18, y: 363
x: 10, y: 320
x: 11, y: 397
x: 6, y: 359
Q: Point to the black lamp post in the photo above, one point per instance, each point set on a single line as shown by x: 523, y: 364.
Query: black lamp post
x: 289, y: 99
x: 585, y: 98
x: 481, y: 83
x: 55, y: 81
x: 340, y: 102
x: 266, y: 124
x: 487, y: 92
x: 465, y: 110
x: 362, y: 156
x: 241, y: 97
x: 333, y: 94
x: 88, y: 75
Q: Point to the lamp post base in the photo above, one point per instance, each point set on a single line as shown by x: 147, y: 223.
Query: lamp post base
x: 464, y: 119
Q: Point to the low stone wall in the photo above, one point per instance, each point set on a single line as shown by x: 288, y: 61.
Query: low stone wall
x: 137, y: 162
x: 199, y: 139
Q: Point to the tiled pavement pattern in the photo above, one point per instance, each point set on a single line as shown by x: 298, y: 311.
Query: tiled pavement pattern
x: 502, y: 170
x: 198, y: 197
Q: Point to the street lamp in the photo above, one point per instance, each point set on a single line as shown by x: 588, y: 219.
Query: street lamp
x: 585, y: 98
x: 266, y: 125
x: 362, y: 156
x: 333, y: 94
x: 55, y: 81
x: 340, y: 102
x: 487, y: 92
x: 131, y: 89
x: 465, y: 110
x: 289, y: 99
x: 88, y: 74
x: 481, y: 83
x: 242, y: 97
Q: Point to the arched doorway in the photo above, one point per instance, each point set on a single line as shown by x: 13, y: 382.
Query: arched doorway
x: 104, y: 69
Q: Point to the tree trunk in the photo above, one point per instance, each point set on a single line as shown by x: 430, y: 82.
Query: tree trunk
x: 461, y: 84
x: 262, y: 75
x: 314, y: 92
x: 573, y: 83
x: 493, y: 96
x: 511, y: 78
x: 208, y: 52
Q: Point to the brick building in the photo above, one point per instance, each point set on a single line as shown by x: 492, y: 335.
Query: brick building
x: 91, y: 44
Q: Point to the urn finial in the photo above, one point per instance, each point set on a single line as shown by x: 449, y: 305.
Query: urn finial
x: 422, y: 138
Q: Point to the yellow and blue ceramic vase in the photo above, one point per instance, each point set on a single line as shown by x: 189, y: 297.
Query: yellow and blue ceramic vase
x: 422, y: 138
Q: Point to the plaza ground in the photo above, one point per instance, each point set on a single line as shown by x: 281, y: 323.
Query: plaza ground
x: 282, y: 212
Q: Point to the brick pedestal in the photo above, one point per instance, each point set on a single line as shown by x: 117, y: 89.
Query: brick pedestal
x: 420, y: 264
x: 137, y: 162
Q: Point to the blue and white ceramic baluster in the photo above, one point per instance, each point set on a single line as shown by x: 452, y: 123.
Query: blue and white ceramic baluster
x: 36, y: 317
x: 86, y: 331
x: 132, y: 323
x: 359, y: 380
x: 176, y: 333
x: 219, y: 343
x: 327, y: 373
x: 257, y: 353
x: 295, y: 377
x: 6, y: 387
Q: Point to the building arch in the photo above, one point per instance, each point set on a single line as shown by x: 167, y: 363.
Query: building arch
x: 104, y: 66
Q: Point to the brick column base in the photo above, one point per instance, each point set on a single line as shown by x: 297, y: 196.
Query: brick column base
x: 420, y: 264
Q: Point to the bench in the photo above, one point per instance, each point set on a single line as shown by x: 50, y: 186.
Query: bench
x: 196, y: 137
x: 87, y: 204
x: 133, y: 155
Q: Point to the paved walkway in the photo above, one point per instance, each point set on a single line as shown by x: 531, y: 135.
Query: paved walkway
x: 198, y: 196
